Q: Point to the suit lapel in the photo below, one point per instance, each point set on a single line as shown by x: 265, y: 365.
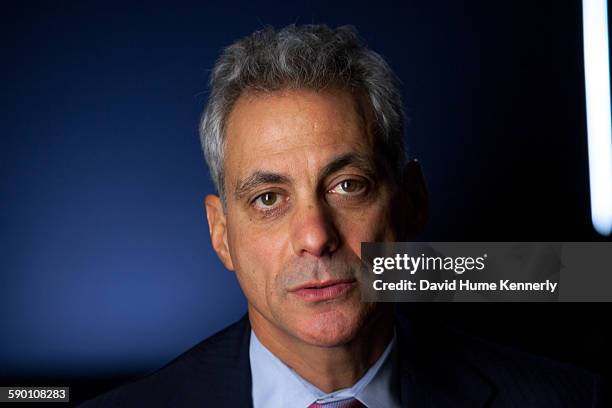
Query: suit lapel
x: 238, y: 370
x: 433, y: 375
x: 241, y: 368
x: 221, y: 372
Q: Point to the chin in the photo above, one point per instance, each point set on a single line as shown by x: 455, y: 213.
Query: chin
x: 329, y: 328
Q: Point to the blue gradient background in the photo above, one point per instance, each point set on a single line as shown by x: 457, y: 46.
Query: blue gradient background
x: 105, y: 261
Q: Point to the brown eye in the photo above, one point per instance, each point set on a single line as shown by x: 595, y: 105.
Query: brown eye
x: 267, y: 199
x: 349, y: 186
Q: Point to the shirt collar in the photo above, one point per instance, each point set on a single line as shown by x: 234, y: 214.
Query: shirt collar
x: 277, y: 385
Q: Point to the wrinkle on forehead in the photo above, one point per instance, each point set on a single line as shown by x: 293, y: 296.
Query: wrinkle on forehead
x: 305, y: 126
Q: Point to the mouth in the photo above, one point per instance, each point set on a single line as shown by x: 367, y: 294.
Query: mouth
x: 317, y: 291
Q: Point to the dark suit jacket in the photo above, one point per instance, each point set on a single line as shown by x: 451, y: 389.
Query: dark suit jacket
x: 437, y: 369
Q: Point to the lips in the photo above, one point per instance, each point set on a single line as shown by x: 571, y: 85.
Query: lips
x: 323, y: 290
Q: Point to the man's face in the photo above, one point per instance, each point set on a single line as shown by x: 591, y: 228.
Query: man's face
x: 303, y: 190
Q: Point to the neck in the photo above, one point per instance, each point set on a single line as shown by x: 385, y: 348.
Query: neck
x: 328, y: 368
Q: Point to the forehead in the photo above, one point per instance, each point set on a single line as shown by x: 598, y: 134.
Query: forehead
x: 281, y: 130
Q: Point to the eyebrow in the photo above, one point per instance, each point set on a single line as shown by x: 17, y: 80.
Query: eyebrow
x: 257, y: 179
x: 260, y: 177
x: 357, y: 160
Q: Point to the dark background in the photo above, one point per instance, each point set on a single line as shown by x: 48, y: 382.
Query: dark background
x: 106, y: 269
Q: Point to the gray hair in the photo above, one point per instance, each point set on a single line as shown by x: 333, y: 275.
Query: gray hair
x: 311, y: 57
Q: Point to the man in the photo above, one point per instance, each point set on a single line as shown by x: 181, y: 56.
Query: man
x: 303, y: 135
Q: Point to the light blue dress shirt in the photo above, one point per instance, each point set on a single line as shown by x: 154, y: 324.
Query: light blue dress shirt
x: 277, y: 386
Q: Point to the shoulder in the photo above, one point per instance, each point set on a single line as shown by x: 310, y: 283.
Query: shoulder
x: 522, y: 377
x: 511, y: 377
x: 217, y: 366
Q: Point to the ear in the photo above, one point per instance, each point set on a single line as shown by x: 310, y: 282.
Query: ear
x: 218, y: 229
x: 412, y: 202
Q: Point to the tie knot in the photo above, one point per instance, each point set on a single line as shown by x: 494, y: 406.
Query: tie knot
x: 347, y: 403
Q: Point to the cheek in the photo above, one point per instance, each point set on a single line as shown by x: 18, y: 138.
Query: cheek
x: 257, y: 257
x: 372, y: 225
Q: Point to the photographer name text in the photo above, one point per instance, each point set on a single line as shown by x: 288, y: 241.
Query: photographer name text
x: 465, y: 285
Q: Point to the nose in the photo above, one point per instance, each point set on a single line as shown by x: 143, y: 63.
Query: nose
x: 313, y: 231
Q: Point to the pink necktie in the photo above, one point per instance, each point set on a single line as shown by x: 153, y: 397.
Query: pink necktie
x: 347, y: 403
